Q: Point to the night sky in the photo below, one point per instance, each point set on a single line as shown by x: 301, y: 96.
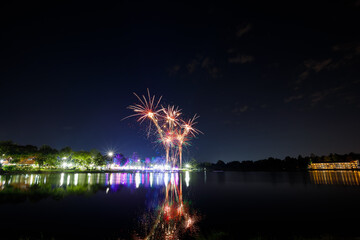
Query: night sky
x: 267, y: 79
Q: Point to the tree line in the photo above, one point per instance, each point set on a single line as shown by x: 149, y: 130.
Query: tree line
x: 50, y: 157
x: 46, y: 156
x: 276, y: 164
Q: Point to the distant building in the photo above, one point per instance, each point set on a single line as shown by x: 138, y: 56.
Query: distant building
x: 352, y: 165
x: 119, y: 159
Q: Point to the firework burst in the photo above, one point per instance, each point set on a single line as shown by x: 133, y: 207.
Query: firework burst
x: 172, y: 114
x: 174, y: 132
x: 147, y: 108
x: 189, y: 128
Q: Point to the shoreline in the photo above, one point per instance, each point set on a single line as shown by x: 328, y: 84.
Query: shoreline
x: 84, y: 171
x: 2, y: 172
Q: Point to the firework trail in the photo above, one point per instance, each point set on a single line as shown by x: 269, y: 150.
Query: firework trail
x: 188, y: 129
x: 171, y: 116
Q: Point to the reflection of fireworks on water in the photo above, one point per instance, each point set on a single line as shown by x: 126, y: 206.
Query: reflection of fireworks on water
x: 173, y: 132
x: 173, y: 218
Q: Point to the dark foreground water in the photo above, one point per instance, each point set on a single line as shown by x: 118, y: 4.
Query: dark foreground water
x: 188, y: 205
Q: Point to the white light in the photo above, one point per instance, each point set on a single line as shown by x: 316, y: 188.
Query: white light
x: 137, y: 179
x: 110, y: 154
x: 76, y: 179
x: 151, y: 179
x: 31, y: 179
x: 64, y: 158
x: 172, y: 179
x: 62, y: 179
x: 166, y: 178
x: 187, y: 165
x: 187, y: 179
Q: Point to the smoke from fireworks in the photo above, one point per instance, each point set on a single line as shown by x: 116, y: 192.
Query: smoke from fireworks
x: 172, y: 131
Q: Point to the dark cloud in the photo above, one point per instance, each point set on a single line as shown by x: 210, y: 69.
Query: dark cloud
x: 240, y: 109
x: 317, y: 66
x: 174, y: 70
x: 293, y: 98
x: 273, y: 65
x: 321, y: 95
x: 214, y: 72
x: 205, y: 63
x: 303, y: 76
x: 312, y: 66
x: 241, y: 59
x: 191, y: 67
x: 346, y: 54
x: 241, y: 31
x: 231, y: 50
x: 352, y: 48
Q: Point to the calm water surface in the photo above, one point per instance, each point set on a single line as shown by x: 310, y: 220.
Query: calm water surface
x: 188, y: 205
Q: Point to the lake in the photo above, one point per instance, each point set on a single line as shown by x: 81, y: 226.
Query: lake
x: 187, y: 205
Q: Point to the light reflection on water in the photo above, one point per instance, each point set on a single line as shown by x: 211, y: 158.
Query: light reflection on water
x: 335, y: 177
x: 170, y: 217
x: 112, y: 180
x: 158, y: 205
x: 145, y: 179
x: 173, y: 217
